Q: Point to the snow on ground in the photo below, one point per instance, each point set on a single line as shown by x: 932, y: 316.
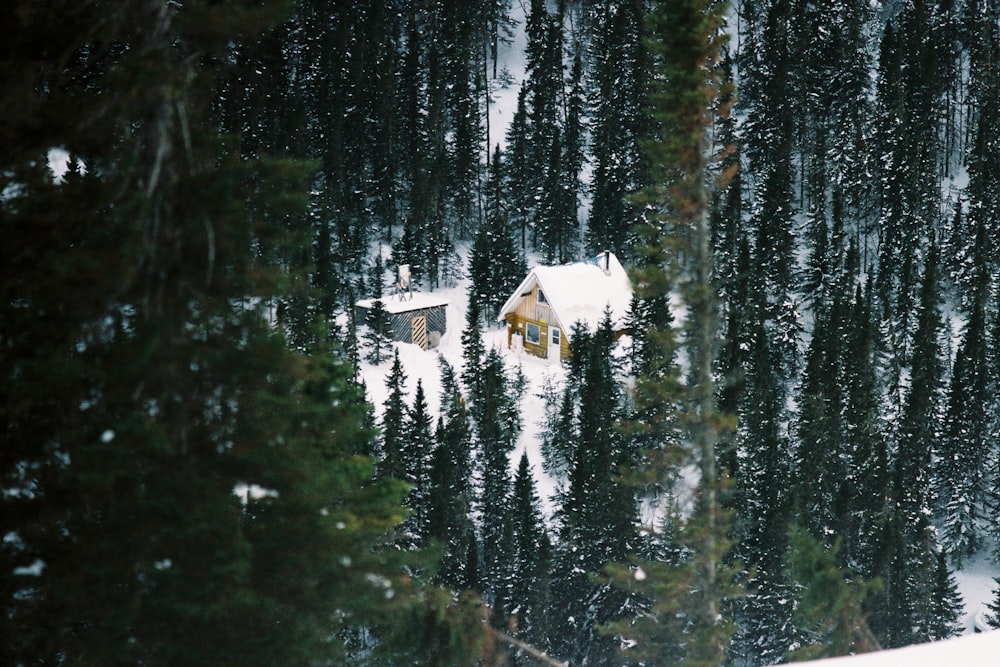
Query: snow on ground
x: 503, y: 99
x: 976, y: 585
x: 978, y: 650
x: 972, y: 649
x: 425, y: 365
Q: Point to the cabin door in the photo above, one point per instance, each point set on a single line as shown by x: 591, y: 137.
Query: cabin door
x: 555, y: 343
x: 418, y: 331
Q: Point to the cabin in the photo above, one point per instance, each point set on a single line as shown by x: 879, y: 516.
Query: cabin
x: 541, y: 312
x: 412, y: 317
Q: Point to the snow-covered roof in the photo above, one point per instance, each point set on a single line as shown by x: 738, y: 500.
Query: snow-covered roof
x: 405, y: 302
x: 579, y: 291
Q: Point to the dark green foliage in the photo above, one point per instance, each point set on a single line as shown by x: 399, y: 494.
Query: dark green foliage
x: 473, y: 349
x: 529, y: 602
x: 450, y: 493
x: 557, y: 437
x: 915, y: 604
x: 994, y: 606
x: 391, y: 465
x: 618, y: 86
x: 496, y: 267
x: 962, y: 457
x: 182, y: 487
x: 829, y: 608
x: 517, y: 172
x: 684, y: 614
x: 416, y: 451
x: 148, y: 297
x: 377, y: 321
x: 762, y: 502
x: 496, y: 425
x: 598, y: 511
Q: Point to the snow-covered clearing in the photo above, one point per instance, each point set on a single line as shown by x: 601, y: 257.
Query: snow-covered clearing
x: 978, y: 650
x: 425, y: 366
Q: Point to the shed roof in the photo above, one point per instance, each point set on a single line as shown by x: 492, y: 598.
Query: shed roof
x: 579, y: 291
x: 406, y: 302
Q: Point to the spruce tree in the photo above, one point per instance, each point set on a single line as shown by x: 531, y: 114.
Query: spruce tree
x: 994, y: 606
x: 496, y: 267
x: 685, y: 42
x: 618, y: 87
x: 377, y: 321
x: 916, y: 607
x: 597, y: 514
x: 391, y: 459
x: 473, y: 350
x: 496, y: 426
x: 762, y: 512
x: 531, y: 553
x: 964, y: 448
x: 517, y: 172
x: 184, y: 487
x: 868, y: 476
x: 449, y: 502
x: 416, y: 451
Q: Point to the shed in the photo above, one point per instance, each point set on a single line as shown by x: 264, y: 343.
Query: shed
x: 551, y: 299
x: 411, y: 317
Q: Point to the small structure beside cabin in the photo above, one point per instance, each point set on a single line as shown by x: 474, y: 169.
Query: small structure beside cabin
x: 410, y: 317
x: 541, y: 312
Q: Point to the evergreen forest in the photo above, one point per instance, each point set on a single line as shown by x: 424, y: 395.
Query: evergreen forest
x: 788, y: 457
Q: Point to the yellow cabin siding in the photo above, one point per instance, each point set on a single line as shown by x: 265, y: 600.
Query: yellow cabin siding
x: 518, y: 324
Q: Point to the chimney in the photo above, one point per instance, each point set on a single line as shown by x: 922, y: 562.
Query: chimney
x: 607, y: 262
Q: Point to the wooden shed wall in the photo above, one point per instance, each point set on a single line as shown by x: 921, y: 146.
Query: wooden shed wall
x: 401, y: 324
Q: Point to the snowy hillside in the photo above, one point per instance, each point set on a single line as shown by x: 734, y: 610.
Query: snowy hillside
x: 423, y: 365
x: 978, y: 650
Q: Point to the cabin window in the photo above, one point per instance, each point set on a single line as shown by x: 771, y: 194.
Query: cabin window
x: 533, y: 334
x: 541, y: 297
x: 555, y: 337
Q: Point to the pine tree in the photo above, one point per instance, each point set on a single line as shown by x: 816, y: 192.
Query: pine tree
x: 473, y: 350
x: 598, y: 512
x: 916, y: 608
x: 495, y: 265
x: 618, y: 87
x: 556, y: 220
x: 377, y: 320
x: 830, y: 605
x: 450, y: 494
x: 529, y: 589
x: 496, y: 427
x: 390, y: 465
x: 185, y: 488
x: 770, y: 151
x: 820, y: 459
x: 994, y: 618
x: 964, y: 448
x: 763, y: 503
x: 868, y: 477
x: 558, y: 442
x: 543, y: 89
x: 517, y: 173
x: 685, y: 41
x: 416, y: 451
